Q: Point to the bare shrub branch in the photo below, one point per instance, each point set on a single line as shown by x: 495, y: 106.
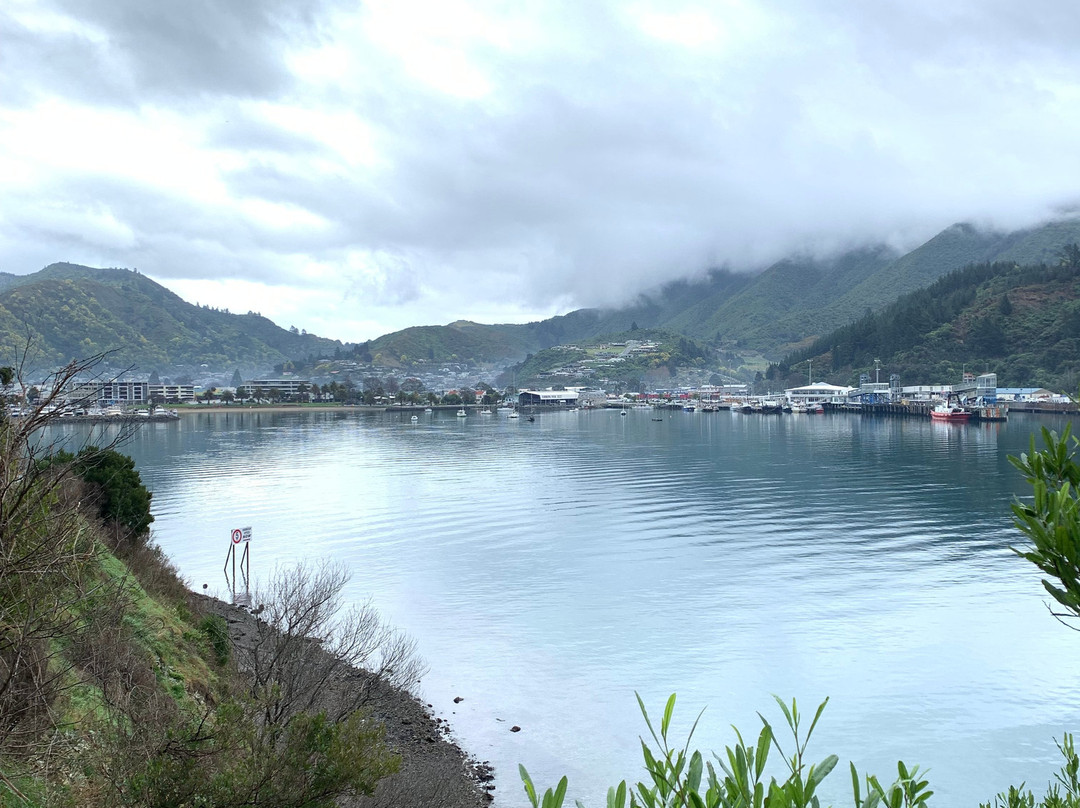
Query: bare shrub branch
x: 307, y: 641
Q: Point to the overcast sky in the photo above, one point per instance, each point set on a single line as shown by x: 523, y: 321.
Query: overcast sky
x: 354, y: 168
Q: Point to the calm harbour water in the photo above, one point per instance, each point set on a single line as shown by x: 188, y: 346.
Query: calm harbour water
x: 548, y: 570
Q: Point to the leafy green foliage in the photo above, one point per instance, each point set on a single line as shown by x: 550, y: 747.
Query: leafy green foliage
x: 1065, y: 793
x: 1051, y: 521
x: 237, y: 760
x: 121, y: 497
x: 679, y: 778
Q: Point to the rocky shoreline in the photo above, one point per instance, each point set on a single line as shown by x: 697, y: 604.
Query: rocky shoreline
x: 435, y: 770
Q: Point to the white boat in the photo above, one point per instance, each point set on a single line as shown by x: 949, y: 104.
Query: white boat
x: 513, y: 414
x: 485, y: 412
x: 461, y: 413
x: 427, y: 410
x: 414, y: 419
x: 623, y: 412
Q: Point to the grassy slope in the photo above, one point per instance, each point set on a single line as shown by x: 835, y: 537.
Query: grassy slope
x: 158, y: 630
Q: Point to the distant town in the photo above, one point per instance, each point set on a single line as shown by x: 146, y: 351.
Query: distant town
x: 975, y: 396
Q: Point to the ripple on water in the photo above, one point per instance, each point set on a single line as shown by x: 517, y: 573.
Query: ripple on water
x: 548, y: 570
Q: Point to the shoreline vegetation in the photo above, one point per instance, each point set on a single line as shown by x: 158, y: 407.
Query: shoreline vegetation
x: 435, y: 770
x: 119, y: 686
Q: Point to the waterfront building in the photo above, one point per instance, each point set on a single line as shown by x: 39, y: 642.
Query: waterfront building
x: 981, y: 388
x: 1028, y: 394
x: 589, y: 396
x: 171, y: 392
x: 107, y: 394
x: 818, y: 393
x: 548, y: 398
x: 288, y: 388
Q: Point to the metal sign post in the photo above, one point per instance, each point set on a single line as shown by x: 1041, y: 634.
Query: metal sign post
x: 239, y: 536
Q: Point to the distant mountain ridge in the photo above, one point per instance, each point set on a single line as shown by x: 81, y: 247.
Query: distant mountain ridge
x: 71, y: 311
x: 774, y: 312
x: 68, y: 311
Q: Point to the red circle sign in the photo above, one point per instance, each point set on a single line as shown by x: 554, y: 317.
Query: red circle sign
x: 237, y: 535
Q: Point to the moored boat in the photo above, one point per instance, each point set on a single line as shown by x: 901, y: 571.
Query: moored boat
x: 949, y: 412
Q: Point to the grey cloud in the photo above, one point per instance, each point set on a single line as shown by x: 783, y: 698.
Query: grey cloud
x: 603, y: 161
x: 169, y: 49
x: 173, y: 235
x: 62, y: 63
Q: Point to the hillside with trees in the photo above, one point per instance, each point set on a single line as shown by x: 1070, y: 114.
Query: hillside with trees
x: 67, y: 311
x: 1019, y: 321
x: 771, y: 313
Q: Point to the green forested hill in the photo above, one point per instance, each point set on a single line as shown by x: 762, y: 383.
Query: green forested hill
x: 68, y: 311
x: 72, y: 311
x: 780, y: 309
x: 1019, y: 321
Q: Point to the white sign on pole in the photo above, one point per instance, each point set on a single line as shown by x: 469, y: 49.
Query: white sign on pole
x: 246, y: 534
x: 237, y: 535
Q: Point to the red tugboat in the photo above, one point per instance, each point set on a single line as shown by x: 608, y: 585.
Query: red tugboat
x: 947, y: 411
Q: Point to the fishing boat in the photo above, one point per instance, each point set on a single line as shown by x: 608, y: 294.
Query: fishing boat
x: 949, y: 412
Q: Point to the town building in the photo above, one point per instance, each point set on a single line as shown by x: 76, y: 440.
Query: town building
x: 171, y: 393
x: 548, y: 398
x: 818, y: 392
x: 107, y: 394
x: 287, y: 388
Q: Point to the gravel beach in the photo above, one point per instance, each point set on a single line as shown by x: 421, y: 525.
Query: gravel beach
x: 435, y: 771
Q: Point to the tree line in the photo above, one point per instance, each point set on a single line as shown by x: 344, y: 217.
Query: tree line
x: 1022, y: 322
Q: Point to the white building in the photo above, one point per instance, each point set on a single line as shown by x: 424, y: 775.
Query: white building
x: 172, y: 392
x: 107, y: 393
x: 548, y: 398
x: 816, y: 393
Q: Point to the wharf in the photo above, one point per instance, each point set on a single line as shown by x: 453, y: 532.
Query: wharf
x: 1045, y: 409
x: 913, y: 410
x: 908, y: 410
